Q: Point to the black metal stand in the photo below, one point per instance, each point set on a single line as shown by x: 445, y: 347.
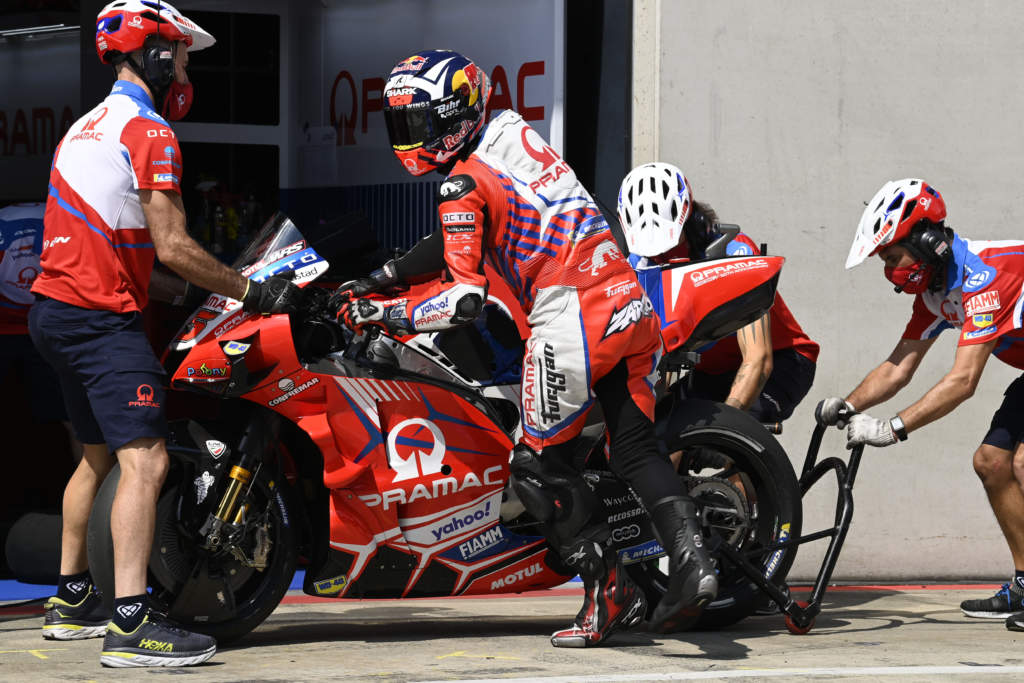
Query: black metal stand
x: 802, y: 615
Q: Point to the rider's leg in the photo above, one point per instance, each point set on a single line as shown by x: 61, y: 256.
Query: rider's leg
x: 636, y: 458
x: 558, y: 496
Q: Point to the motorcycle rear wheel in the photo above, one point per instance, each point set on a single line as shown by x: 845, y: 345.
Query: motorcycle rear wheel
x: 748, y: 494
x: 215, y: 594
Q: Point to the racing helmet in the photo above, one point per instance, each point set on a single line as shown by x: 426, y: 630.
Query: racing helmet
x: 892, y: 214
x: 124, y: 25
x: 655, y: 201
x: 434, y: 105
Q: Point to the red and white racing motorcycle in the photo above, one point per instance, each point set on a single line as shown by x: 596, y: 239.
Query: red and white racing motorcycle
x: 383, y: 463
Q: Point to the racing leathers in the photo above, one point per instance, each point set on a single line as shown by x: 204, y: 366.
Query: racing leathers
x: 515, y: 204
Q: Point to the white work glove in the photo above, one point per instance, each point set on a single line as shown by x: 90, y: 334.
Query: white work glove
x: 868, y: 430
x: 828, y: 412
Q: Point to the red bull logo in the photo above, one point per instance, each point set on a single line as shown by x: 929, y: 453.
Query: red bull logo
x: 412, y: 64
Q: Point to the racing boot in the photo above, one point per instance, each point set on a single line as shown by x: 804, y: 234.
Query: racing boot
x: 611, y: 600
x: 692, y: 580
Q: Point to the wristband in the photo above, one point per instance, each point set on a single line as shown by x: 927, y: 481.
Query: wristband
x: 896, y: 424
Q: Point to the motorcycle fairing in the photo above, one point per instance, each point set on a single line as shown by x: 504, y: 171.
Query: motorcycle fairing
x: 532, y: 572
x: 693, y: 314
x: 425, y: 479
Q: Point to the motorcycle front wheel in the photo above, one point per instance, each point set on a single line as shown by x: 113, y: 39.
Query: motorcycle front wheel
x: 220, y: 593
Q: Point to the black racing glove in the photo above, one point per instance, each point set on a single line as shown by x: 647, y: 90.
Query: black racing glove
x: 273, y: 295
x: 383, y: 278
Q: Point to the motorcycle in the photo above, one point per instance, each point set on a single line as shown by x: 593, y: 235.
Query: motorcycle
x: 382, y: 463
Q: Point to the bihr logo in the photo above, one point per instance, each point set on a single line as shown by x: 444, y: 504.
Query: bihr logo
x: 415, y: 449
x: 144, y: 394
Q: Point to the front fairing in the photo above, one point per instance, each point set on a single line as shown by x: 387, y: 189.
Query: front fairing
x: 220, y: 341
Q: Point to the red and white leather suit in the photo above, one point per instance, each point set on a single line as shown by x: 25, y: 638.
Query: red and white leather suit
x: 515, y: 204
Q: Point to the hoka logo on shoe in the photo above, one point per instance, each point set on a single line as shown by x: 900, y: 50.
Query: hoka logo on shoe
x: 156, y: 645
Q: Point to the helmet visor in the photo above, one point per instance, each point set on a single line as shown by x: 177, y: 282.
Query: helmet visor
x: 410, y: 127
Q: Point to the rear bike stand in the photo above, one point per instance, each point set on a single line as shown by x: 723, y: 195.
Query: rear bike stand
x: 800, y: 615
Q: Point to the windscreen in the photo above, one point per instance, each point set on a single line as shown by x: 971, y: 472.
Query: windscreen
x: 277, y: 249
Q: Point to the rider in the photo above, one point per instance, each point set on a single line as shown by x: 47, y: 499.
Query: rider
x: 115, y: 203
x: 510, y: 200
x: 975, y: 287
x: 765, y: 368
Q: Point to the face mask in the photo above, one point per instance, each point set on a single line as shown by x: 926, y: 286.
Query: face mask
x: 178, y: 101
x: 912, y: 279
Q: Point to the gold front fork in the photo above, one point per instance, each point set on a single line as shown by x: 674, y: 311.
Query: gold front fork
x: 240, y: 477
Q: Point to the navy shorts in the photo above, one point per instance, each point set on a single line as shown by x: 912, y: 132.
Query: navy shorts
x: 791, y: 379
x: 41, y: 385
x: 113, y: 384
x: 1007, y: 428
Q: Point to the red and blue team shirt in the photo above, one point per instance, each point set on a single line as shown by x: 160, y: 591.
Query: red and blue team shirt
x: 21, y: 238
x: 97, y: 251
x: 983, y: 298
x: 724, y: 355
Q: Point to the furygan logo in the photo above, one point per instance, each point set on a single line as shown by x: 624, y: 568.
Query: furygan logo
x: 144, y: 394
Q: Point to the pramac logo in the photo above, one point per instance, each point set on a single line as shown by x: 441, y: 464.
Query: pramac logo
x: 144, y: 394
x: 89, y: 130
x: 415, y: 449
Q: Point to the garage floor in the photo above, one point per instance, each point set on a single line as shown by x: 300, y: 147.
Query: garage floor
x: 907, y: 633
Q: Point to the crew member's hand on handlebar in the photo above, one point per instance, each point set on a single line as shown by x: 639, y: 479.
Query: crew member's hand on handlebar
x: 833, y: 411
x: 273, y: 295
x: 871, y: 431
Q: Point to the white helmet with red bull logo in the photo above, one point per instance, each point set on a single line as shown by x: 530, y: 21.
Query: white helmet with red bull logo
x: 434, y: 106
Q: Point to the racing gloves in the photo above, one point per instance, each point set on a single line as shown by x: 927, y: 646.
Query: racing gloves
x: 358, y: 314
x: 383, y: 278
x: 870, y: 431
x: 273, y: 295
x: 833, y: 411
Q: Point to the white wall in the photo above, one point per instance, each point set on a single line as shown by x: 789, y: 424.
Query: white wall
x: 787, y: 116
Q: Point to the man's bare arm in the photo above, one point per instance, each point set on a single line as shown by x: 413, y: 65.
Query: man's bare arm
x: 954, y: 388
x: 165, y: 216
x: 893, y: 374
x: 755, y: 342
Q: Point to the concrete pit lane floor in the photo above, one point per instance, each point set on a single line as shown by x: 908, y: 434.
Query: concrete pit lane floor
x: 904, y: 633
